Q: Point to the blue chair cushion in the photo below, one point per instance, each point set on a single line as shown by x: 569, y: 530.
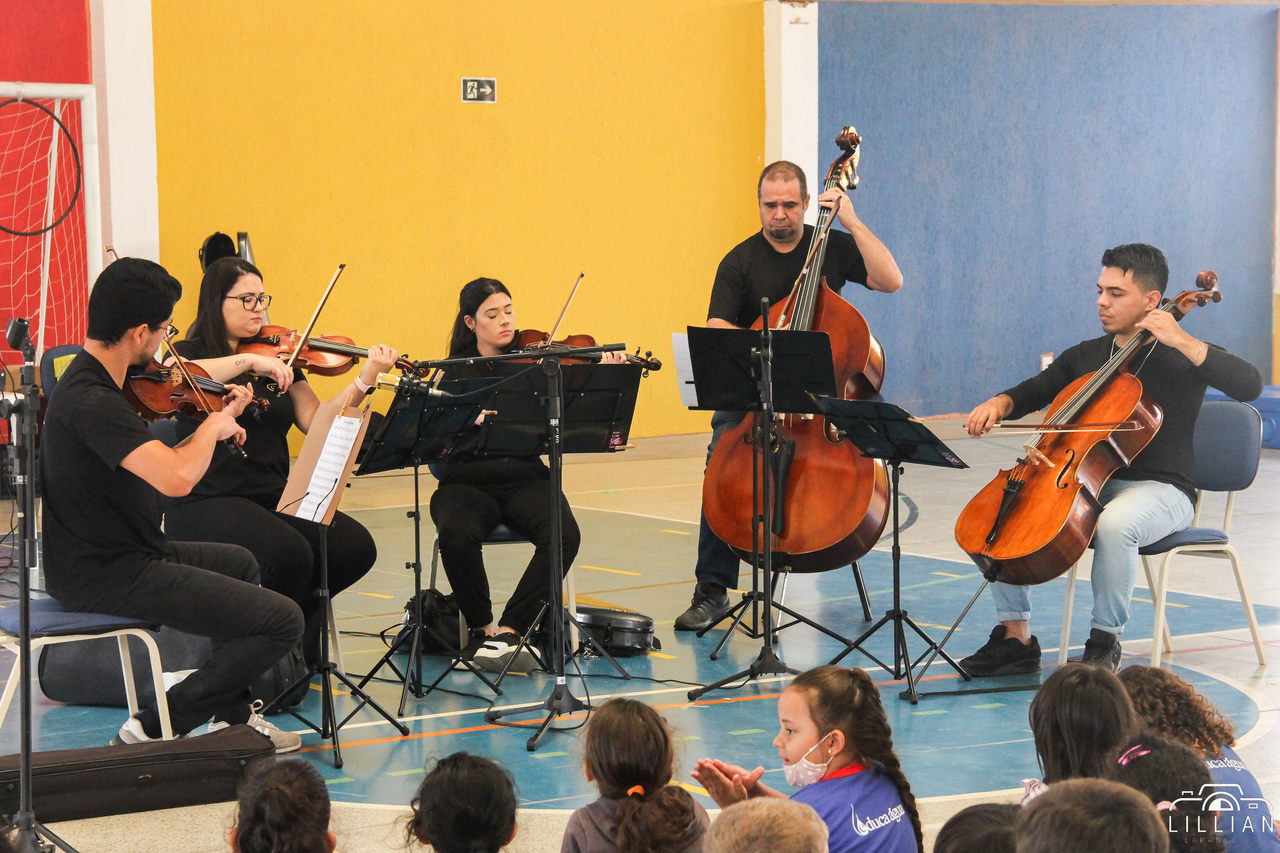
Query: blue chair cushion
x: 48, y: 619
x: 501, y: 534
x: 1189, y: 536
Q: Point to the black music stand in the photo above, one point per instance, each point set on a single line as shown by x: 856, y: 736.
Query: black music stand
x: 422, y: 425
x: 321, y: 462
x: 884, y: 431
x: 559, y: 409
x: 761, y: 371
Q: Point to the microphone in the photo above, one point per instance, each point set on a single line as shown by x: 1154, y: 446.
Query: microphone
x: 410, y: 385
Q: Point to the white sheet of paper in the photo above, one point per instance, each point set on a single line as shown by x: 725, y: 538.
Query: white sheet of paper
x: 330, y: 467
x: 684, y: 369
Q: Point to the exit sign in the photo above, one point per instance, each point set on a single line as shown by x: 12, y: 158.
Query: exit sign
x: 479, y: 90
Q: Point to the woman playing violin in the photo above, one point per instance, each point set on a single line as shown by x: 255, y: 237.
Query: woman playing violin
x: 477, y: 494
x: 236, y: 500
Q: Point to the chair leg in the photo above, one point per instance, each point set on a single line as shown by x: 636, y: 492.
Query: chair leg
x: 11, y: 686
x: 126, y: 667
x: 1064, y: 642
x: 1151, y: 587
x: 1248, y: 605
x: 157, y: 678
x: 1159, y: 628
x: 571, y: 601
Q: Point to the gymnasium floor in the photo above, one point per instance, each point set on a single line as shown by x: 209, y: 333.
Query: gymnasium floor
x: 638, y: 513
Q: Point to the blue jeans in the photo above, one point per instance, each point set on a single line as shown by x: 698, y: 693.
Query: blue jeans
x: 1135, y: 513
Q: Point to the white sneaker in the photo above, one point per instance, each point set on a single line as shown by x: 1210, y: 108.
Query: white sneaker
x: 498, y: 650
x: 284, y: 741
x: 132, y: 732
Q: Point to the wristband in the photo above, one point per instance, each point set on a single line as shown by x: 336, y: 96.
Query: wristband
x: 361, y: 387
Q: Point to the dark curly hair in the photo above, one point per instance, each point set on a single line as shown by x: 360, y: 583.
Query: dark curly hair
x: 465, y: 804
x: 283, y: 808
x: 1172, y: 707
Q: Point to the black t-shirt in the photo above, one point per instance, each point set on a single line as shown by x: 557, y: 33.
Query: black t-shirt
x: 101, y: 522
x: 1169, y: 379
x: 753, y: 270
x: 262, y: 476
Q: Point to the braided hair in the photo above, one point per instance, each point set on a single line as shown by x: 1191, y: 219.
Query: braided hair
x: 848, y: 700
x: 283, y: 809
x: 631, y: 756
x: 465, y: 804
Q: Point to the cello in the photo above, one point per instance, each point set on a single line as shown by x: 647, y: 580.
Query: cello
x: 833, y: 499
x: 1033, y: 521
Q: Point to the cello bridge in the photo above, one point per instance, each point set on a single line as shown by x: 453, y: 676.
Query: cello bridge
x: 1037, y: 457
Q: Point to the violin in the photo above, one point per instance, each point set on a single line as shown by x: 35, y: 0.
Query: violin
x: 1033, y: 521
x: 534, y: 341
x: 834, y: 500
x: 160, y: 392
x: 323, y: 355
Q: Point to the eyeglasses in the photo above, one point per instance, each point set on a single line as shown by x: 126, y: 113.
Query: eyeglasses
x: 252, y: 302
x: 170, y: 332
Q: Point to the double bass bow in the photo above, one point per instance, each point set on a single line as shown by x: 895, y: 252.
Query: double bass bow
x: 834, y: 500
x: 1033, y: 521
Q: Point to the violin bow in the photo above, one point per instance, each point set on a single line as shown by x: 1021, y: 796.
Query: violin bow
x: 551, y: 336
x: 306, y: 333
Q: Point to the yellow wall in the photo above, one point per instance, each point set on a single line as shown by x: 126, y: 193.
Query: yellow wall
x: 625, y: 142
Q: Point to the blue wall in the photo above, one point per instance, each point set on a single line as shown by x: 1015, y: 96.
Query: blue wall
x: 1005, y: 147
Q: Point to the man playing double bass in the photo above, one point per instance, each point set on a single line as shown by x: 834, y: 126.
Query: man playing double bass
x: 767, y: 264
x: 1151, y: 498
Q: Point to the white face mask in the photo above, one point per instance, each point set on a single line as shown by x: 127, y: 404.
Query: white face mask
x: 805, y: 772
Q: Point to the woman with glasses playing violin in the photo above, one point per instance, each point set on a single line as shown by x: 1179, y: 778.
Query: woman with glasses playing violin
x: 236, y: 500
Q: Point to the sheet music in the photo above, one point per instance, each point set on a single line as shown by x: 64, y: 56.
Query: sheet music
x: 684, y: 369
x: 330, y: 467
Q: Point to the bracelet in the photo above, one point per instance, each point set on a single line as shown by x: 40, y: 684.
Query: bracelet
x: 361, y: 387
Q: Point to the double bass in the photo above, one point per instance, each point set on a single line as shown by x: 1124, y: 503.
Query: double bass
x: 1033, y: 521
x: 834, y: 500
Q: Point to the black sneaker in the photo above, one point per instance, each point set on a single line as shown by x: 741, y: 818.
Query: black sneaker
x: 1003, y: 656
x: 1102, y: 649
x: 476, y: 638
x: 496, y: 651
x: 710, y: 605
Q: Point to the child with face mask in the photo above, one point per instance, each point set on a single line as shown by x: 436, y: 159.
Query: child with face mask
x: 836, y: 747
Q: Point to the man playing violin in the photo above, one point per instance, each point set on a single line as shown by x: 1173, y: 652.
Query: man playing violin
x: 1144, y: 502
x: 105, y: 552
x: 767, y: 264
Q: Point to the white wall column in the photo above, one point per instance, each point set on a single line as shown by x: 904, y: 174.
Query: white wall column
x: 791, y: 87
x: 123, y: 75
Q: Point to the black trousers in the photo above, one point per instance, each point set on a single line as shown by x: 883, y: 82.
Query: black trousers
x: 471, y: 500
x: 210, y: 590
x: 284, y: 546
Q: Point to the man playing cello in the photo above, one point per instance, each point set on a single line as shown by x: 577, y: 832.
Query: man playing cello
x: 1144, y: 502
x: 767, y: 264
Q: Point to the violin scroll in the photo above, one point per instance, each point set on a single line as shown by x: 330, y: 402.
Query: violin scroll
x: 1207, y: 291
x: 844, y: 169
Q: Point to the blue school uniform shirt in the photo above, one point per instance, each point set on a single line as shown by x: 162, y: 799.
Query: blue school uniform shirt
x: 1252, y: 829
x: 863, y: 811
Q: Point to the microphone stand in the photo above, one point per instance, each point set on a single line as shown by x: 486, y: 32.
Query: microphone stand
x: 25, y: 834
